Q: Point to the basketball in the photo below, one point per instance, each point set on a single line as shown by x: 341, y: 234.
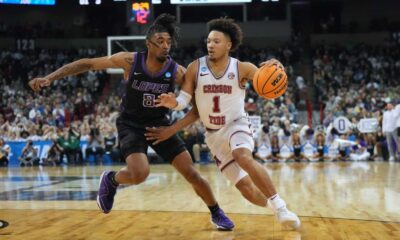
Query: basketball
x: 270, y: 82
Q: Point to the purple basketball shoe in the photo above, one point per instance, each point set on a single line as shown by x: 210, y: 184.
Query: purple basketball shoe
x: 221, y: 221
x: 106, y: 193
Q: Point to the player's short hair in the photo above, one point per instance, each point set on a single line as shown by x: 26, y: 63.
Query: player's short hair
x: 164, y: 23
x: 228, y: 27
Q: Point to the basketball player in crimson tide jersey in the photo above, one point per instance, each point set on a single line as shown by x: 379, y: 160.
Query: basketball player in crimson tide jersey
x: 147, y: 74
x: 217, y: 81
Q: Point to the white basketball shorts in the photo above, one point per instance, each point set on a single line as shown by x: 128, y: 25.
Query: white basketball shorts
x: 225, y: 140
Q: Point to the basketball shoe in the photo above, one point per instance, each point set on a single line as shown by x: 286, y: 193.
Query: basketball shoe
x: 106, y: 193
x: 221, y: 221
x: 286, y: 218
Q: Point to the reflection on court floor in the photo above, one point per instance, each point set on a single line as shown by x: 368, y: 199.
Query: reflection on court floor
x: 338, y: 200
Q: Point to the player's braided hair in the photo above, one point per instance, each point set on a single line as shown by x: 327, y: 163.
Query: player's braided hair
x: 164, y: 23
x: 228, y: 27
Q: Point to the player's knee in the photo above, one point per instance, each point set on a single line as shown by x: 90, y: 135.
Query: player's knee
x: 245, y: 187
x: 245, y: 161
x: 138, y: 177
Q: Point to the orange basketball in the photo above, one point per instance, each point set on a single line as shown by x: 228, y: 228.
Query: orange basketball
x: 270, y: 82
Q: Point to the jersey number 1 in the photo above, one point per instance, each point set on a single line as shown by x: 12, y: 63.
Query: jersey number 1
x: 216, y: 108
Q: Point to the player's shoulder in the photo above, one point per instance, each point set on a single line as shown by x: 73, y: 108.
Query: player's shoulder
x: 194, y: 65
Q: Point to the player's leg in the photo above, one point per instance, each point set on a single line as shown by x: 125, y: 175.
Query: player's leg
x: 243, y: 183
x: 242, y: 144
x: 353, y: 157
x: 390, y: 143
x: 183, y: 163
x: 395, y: 144
x: 257, y: 173
x: 397, y: 136
x: 173, y: 150
x: 365, y: 156
x: 133, y: 148
x: 136, y: 171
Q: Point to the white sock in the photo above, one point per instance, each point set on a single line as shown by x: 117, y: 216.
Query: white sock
x: 275, y: 202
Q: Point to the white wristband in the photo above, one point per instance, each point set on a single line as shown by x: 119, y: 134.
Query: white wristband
x: 183, y: 100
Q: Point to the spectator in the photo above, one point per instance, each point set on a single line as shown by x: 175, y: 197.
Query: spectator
x: 370, y: 146
x: 263, y: 145
x: 28, y: 155
x: 74, y: 145
x: 53, y: 155
x: 381, y: 145
x: 297, y: 154
x: 343, y: 149
x: 4, y: 153
x: 111, y: 145
x: 63, y: 143
x: 275, y: 149
x: 359, y: 150
x: 94, y: 147
x: 321, y: 148
x: 390, y: 118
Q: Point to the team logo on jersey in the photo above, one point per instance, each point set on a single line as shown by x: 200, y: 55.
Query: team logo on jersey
x: 231, y: 75
x: 203, y: 71
x: 168, y: 75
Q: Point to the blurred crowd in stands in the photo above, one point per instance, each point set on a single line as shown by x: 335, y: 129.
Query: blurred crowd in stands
x: 356, y: 82
x: 332, y: 24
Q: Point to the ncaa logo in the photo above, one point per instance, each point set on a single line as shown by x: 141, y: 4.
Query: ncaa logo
x: 168, y: 75
x: 231, y: 75
x: 203, y: 69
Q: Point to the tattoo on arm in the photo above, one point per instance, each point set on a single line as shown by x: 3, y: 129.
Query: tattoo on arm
x: 70, y: 69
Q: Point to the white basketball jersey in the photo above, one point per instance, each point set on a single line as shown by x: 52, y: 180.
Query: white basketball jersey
x: 220, y: 101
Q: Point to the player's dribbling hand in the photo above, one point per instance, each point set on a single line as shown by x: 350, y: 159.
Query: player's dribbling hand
x: 167, y: 100
x: 38, y: 83
x: 271, y: 62
x: 158, y: 134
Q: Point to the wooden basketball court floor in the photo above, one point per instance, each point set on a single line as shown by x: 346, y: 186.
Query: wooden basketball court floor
x: 338, y: 200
